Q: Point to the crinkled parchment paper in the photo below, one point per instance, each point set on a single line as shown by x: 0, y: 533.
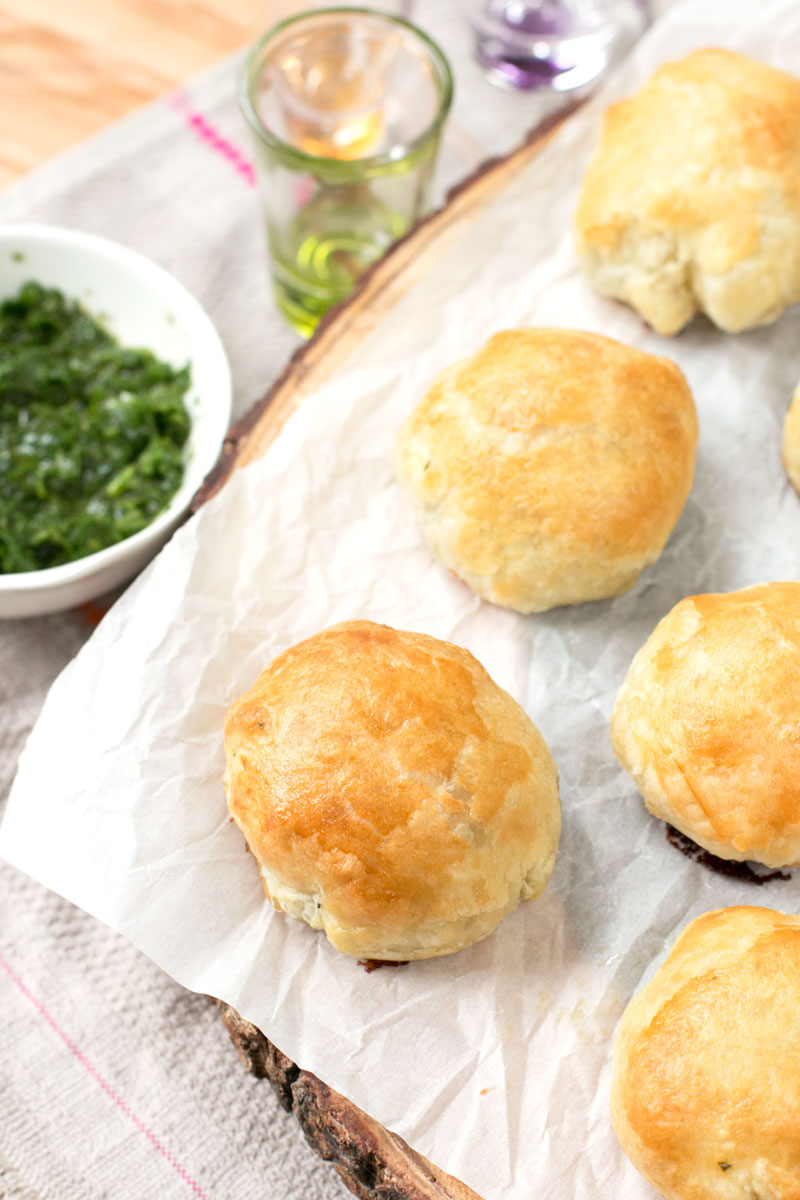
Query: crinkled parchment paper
x: 494, y: 1062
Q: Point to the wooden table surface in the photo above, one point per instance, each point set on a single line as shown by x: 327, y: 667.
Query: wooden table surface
x: 69, y: 67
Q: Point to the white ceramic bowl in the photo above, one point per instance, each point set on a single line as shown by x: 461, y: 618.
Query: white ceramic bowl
x: 142, y: 305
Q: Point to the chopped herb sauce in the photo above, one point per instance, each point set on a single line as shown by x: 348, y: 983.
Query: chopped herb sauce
x: 91, y: 433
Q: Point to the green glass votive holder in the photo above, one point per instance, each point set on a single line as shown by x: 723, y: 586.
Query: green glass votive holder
x: 346, y: 107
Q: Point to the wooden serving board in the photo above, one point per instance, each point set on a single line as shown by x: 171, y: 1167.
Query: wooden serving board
x: 374, y: 1163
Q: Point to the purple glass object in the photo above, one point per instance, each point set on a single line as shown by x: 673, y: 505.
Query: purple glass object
x: 554, y: 45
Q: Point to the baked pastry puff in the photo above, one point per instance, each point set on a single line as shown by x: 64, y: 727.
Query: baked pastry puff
x: 550, y: 467
x: 708, y: 722
x: 392, y: 794
x: 706, y: 1089
x: 691, y: 202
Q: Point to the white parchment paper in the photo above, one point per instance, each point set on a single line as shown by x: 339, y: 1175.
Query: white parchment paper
x: 494, y: 1062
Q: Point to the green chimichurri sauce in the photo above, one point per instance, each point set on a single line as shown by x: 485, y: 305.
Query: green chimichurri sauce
x: 91, y: 433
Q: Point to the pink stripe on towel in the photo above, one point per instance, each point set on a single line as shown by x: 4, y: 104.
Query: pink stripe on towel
x: 104, y: 1084
x: 215, y: 140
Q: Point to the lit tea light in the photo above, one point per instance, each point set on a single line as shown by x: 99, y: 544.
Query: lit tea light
x: 350, y: 136
x: 334, y: 100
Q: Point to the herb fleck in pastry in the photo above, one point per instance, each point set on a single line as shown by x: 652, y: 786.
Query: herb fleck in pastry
x: 392, y: 794
x: 691, y: 202
x: 706, y: 1092
x: 551, y: 467
x: 708, y: 722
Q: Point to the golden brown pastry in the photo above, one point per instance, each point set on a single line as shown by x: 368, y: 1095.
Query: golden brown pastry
x: 706, y: 1091
x: 691, y: 203
x: 551, y: 467
x: 708, y: 722
x: 392, y: 794
x: 790, y: 450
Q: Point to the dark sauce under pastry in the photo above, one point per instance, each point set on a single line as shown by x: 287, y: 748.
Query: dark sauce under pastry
x: 372, y: 964
x: 721, y: 866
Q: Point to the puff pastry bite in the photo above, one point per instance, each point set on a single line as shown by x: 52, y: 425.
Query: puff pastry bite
x: 392, y: 794
x: 691, y: 202
x: 706, y: 1091
x: 708, y: 722
x: 550, y: 467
